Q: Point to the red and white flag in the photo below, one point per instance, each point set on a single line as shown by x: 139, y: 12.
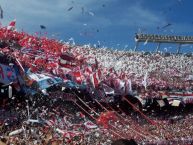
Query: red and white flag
x: 12, y: 25
x: 67, y: 60
x: 77, y: 76
x: 90, y: 125
x: 95, y: 80
x: 88, y: 70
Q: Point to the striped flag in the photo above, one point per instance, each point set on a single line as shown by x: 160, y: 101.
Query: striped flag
x: 95, y: 79
x: 88, y: 70
x: 67, y: 60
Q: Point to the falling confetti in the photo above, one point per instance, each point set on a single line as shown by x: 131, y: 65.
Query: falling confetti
x: 70, y: 9
x: 169, y: 24
x: 1, y: 12
x: 42, y: 27
x: 82, y: 9
x: 91, y: 13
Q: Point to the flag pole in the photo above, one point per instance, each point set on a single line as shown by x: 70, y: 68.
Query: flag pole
x: 95, y: 118
x: 123, y: 120
x: 142, y: 114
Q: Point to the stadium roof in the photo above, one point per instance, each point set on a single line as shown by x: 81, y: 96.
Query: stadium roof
x: 164, y: 38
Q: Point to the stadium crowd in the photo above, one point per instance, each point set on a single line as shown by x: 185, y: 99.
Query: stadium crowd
x: 56, y: 122
x: 63, y: 122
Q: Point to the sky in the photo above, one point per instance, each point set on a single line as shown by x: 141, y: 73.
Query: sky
x: 109, y: 23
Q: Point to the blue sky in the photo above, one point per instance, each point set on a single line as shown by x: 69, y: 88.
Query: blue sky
x: 112, y: 23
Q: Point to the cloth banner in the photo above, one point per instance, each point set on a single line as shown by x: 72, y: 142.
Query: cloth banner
x: 176, y: 103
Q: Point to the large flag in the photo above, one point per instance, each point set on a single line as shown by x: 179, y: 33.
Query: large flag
x: 67, y: 60
x: 12, y: 25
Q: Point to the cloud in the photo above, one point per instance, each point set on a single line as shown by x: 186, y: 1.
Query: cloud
x: 117, y: 21
x: 46, y: 8
x: 138, y: 15
x: 180, y: 28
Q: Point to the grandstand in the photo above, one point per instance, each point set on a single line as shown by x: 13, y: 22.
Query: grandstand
x: 136, y: 80
x: 160, y: 39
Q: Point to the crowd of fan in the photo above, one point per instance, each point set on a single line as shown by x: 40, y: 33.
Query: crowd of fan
x: 61, y: 122
x: 142, y: 69
x: 56, y: 123
x: 146, y: 72
x: 170, y: 70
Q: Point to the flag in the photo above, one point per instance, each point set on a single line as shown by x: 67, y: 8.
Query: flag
x: 88, y: 70
x: 176, y: 103
x: 12, y: 25
x: 67, y: 60
x: 90, y: 125
x: 77, y: 77
x: 95, y: 79
x: 161, y: 103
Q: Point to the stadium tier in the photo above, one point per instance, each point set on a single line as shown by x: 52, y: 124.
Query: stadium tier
x: 78, y: 94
